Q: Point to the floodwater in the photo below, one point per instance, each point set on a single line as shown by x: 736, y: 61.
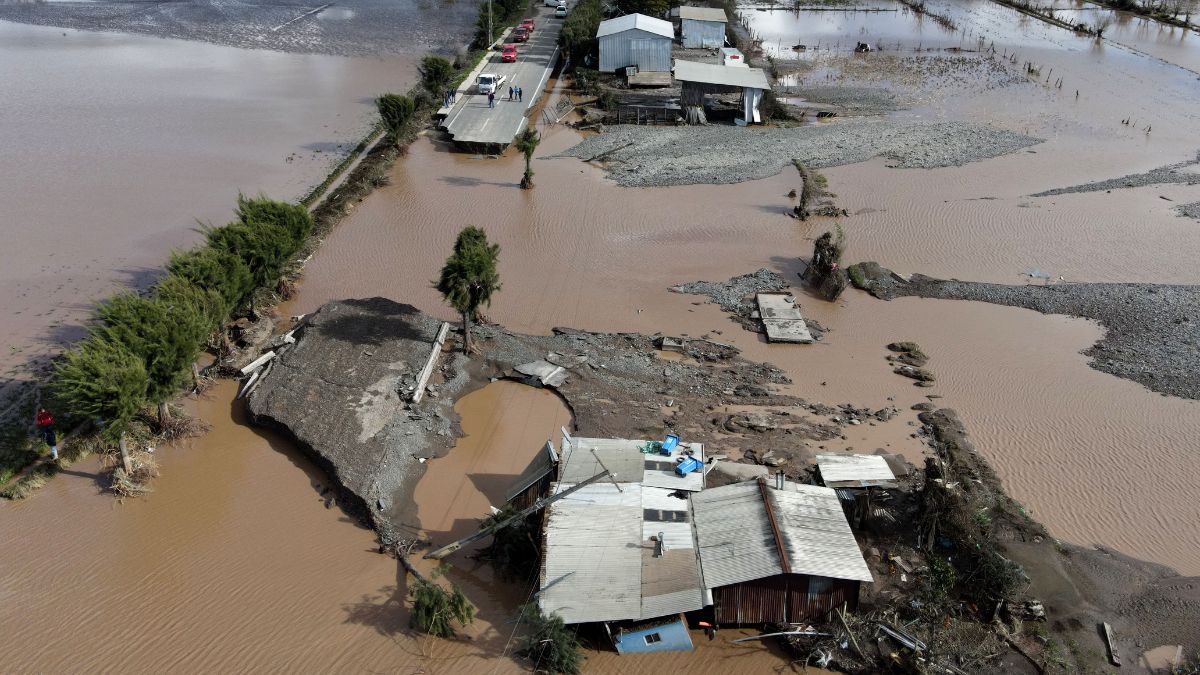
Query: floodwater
x: 234, y: 562
x: 109, y: 163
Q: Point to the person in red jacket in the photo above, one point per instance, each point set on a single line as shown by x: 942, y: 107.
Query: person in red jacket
x: 45, y: 423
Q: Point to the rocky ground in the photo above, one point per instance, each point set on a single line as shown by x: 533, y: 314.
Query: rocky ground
x: 1190, y: 210
x: 645, y: 156
x: 1152, y: 331
x: 1163, y: 175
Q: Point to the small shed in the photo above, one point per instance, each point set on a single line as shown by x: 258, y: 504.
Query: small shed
x: 776, y: 554
x: 702, y: 27
x: 702, y: 79
x: 635, y: 40
x: 668, y: 634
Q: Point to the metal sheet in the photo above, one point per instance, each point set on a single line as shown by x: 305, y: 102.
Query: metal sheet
x: 691, y: 71
x: 854, y: 470
x: 651, y: 53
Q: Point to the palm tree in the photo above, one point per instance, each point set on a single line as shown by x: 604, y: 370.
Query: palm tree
x: 527, y: 143
x: 469, y: 277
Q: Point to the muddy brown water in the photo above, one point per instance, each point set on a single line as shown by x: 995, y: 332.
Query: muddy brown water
x: 234, y: 560
x: 110, y: 163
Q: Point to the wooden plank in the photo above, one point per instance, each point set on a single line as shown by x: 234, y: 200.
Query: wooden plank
x: 419, y: 392
x: 257, y: 363
x: 1110, y: 642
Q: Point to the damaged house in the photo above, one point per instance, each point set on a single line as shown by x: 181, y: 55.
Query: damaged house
x: 647, y: 543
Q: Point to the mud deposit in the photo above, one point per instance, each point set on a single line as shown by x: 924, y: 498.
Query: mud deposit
x: 648, y: 156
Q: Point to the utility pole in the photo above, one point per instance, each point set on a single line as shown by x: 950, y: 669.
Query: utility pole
x: 490, y: 38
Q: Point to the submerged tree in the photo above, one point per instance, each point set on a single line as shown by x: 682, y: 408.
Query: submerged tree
x: 469, y: 277
x: 824, y: 272
x: 549, y: 643
x: 527, y: 143
x: 396, y: 111
x: 436, y: 610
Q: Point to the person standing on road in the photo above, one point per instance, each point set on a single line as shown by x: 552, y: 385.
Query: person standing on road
x: 491, y: 99
x: 45, y: 424
x: 520, y: 92
x: 510, y: 93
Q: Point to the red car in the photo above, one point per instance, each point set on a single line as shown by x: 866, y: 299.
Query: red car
x: 508, y: 54
x: 527, y: 24
x: 520, y: 35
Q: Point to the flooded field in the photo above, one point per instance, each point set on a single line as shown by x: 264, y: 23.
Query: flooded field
x: 235, y: 562
x: 113, y: 161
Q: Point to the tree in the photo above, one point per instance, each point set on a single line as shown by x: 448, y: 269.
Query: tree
x: 549, y: 643
x: 469, y: 277
x: 527, y: 143
x: 217, y: 269
x: 101, y: 379
x: 436, y: 74
x: 396, y: 111
x: 434, y: 607
x: 165, y: 333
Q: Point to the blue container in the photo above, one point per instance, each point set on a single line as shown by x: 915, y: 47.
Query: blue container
x: 671, y: 442
x: 688, y: 465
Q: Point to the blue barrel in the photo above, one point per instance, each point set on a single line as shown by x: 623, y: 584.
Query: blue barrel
x: 671, y: 442
x: 688, y: 465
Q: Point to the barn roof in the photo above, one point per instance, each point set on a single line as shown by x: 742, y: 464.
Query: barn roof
x: 636, y: 22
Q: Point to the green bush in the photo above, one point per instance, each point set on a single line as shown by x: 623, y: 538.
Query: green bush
x: 265, y: 235
x: 396, y: 111
x: 436, y: 74
x: 436, y: 609
x: 578, y: 36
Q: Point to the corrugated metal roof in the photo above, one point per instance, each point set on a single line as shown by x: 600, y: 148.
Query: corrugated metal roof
x: 671, y: 583
x: 621, y: 456
x: 703, y: 14
x: 592, y: 567
x: 539, y: 467
x: 733, y: 535
x: 737, y: 544
x: 638, y: 22
x: 816, y: 536
x: 667, y: 478
x: 691, y: 71
x: 855, y: 470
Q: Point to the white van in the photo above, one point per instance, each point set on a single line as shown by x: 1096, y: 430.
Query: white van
x: 489, y: 83
x: 560, y: 11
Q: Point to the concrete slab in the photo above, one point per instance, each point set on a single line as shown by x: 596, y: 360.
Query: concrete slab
x: 781, y: 318
x: 471, y: 122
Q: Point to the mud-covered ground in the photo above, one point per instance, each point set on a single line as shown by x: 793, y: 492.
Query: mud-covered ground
x: 345, y: 28
x: 1152, y: 331
x: 641, y: 156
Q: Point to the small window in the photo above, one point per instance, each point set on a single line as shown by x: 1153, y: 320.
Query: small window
x: 652, y: 638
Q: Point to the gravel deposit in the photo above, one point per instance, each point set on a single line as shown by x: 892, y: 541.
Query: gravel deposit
x: 1190, y: 210
x: 1163, y: 175
x: 639, y: 156
x: 733, y: 295
x: 1152, y: 331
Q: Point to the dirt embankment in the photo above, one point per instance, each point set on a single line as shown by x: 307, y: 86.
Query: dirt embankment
x: 643, y: 156
x: 1152, y: 331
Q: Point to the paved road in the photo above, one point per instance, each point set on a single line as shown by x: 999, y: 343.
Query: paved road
x: 471, y: 121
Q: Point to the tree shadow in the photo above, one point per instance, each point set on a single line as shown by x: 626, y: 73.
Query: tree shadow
x: 467, y: 181
x: 384, y: 610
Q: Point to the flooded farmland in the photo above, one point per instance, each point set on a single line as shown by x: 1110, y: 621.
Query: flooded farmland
x: 235, y: 561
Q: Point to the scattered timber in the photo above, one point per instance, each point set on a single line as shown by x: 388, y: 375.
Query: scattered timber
x: 434, y: 353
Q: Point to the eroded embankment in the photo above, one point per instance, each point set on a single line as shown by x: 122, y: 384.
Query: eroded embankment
x: 1152, y: 335
x: 336, y: 391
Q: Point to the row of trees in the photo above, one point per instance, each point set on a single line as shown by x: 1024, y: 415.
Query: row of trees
x: 140, y: 348
x: 578, y: 35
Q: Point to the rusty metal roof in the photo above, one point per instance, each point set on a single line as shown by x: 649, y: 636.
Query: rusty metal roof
x: 848, y: 471
x: 703, y: 14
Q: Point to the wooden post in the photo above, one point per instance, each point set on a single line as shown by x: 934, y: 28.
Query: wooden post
x: 125, y: 461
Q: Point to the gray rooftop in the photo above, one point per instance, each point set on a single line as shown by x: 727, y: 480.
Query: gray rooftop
x: 737, y: 543
x: 706, y: 73
x: 842, y: 471
x: 703, y: 14
x: 636, y: 22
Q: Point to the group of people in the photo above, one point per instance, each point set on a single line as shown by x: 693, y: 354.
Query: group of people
x: 448, y: 97
x: 514, y: 94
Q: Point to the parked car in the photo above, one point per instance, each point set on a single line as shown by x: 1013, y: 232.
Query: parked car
x: 550, y: 3
x: 520, y: 35
x: 527, y: 24
x: 508, y: 53
x: 560, y: 12
x: 489, y: 83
